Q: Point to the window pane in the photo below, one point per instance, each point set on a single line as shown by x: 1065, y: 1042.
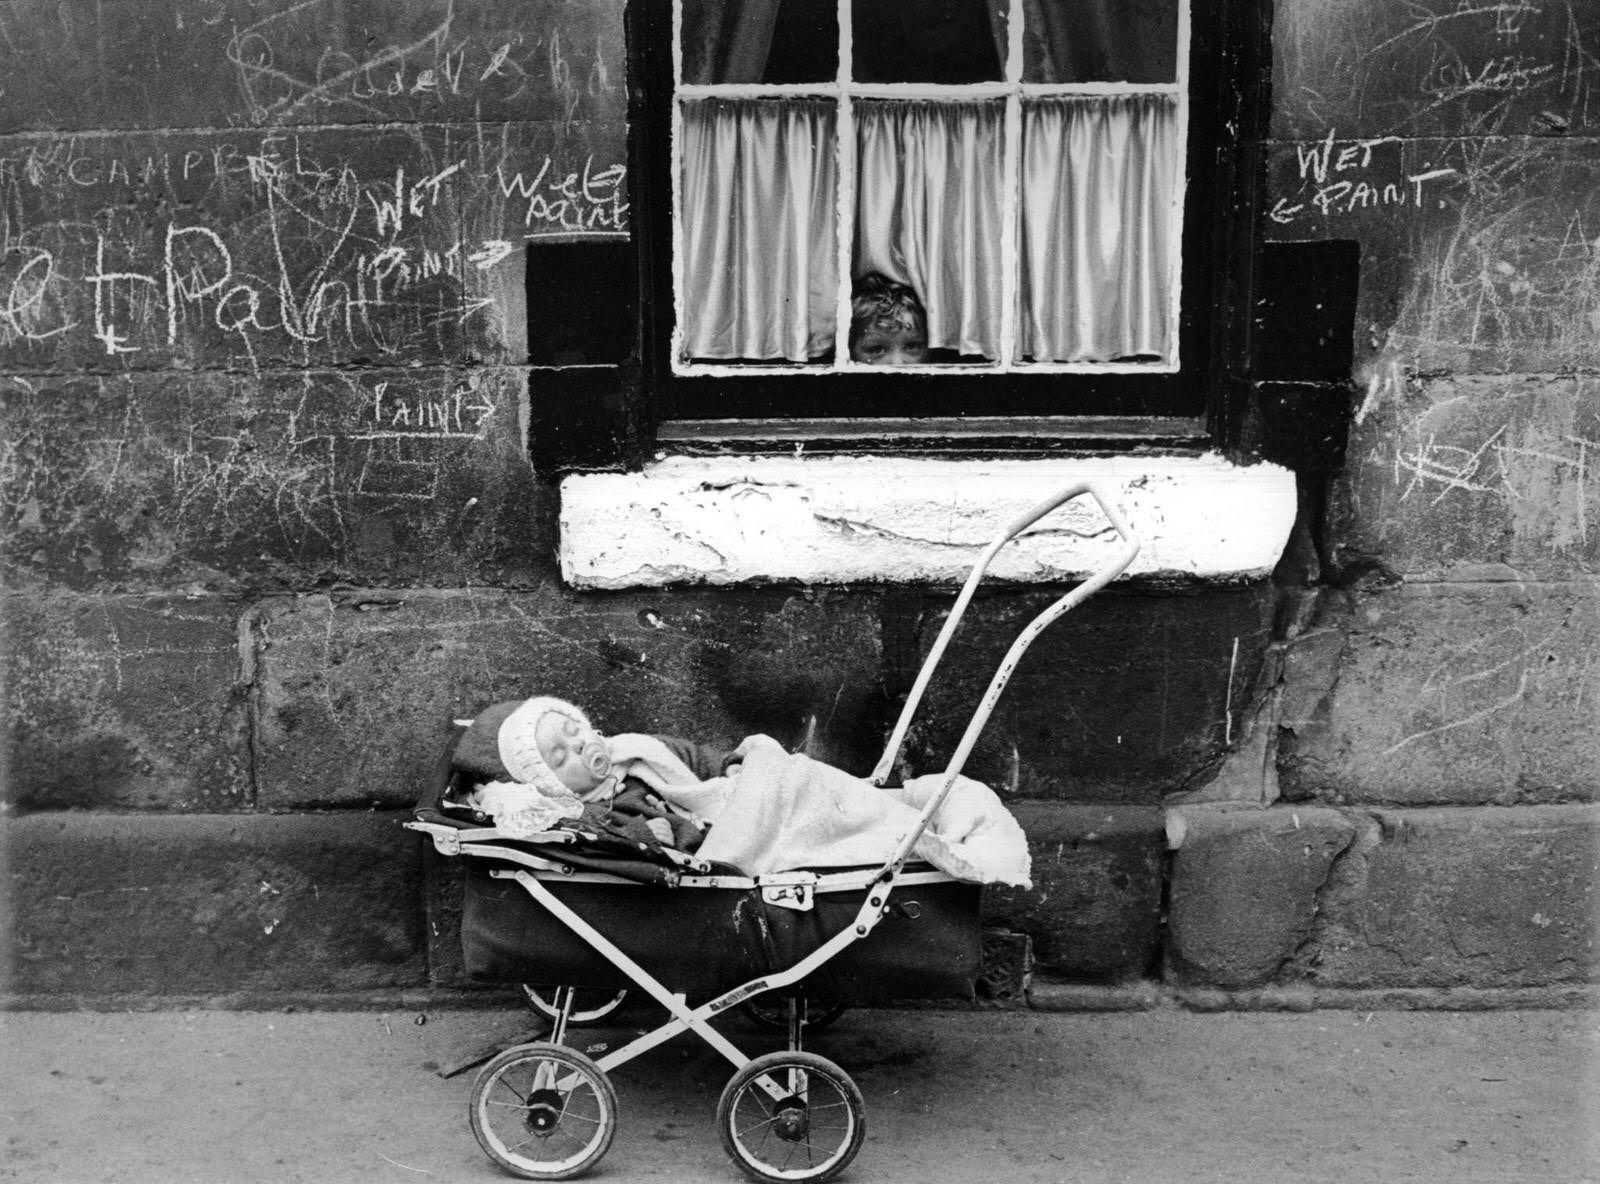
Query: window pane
x: 1100, y: 40
x: 929, y: 213
x: 758, y: 224
x: 1099, y: 182
x: 760, y: 41
x: 945, y: 41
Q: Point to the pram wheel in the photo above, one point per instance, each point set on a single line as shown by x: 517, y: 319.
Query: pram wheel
x: 543, y: 1112
x: 791, y: 1116
x: 590, y: 1007
x: 773, y: 1012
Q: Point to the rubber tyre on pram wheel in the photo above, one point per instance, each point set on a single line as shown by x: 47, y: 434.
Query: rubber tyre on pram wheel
x: 590, y: 1006
x: 543, y: 1111
x: 791, y: 1116
x: 772, y: 1012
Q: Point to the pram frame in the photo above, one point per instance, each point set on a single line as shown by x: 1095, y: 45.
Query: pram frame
x: 787, y: 889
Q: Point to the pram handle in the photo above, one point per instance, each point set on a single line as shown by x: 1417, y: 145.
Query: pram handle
x: 1119, y: 563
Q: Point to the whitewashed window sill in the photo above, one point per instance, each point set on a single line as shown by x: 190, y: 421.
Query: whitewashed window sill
x: 846, y: 520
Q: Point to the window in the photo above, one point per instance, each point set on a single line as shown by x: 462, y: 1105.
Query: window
x: 1051, y: 179
x: 1016, y: 165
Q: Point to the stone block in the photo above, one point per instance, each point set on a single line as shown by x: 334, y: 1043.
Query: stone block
x: 1483, y: 898
x: 211, y: 904
x: 226, y: 482
x: 1455, y: 694
x: 356, y: 691
x: 123, y: 703
x: 1246, y: 886
x: 1124, y: 699
x: 1094, y: 911
x: 1371, y: 69
x: 173, y: 63
x: 1474, y: 475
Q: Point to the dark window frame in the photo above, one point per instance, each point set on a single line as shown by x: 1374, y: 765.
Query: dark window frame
x: 1205, y: 404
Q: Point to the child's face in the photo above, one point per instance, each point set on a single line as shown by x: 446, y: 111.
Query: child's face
x: 578, y: 755
x: 890, y: 345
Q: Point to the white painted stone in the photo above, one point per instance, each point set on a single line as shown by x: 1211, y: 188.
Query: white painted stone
x: 833, y: 520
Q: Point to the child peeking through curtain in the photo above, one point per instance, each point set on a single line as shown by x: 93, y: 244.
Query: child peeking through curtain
x: 888, y: 325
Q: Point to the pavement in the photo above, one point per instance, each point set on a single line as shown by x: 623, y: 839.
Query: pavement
x: 1024, y: 1097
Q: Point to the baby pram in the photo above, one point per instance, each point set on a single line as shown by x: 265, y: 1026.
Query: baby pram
x: 566, y: 913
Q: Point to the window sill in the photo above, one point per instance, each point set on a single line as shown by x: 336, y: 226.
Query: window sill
x: 920, y: 520
x: 930, y: 433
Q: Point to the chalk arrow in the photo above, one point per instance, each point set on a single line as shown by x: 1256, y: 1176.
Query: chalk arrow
x: 1284, y: 212
x: 492, y: 251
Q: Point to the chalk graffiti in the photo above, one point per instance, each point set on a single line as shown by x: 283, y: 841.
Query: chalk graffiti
x: 461, y: 413
x: 587, y: 201
x: 322, y: 261
x: 198, y: 465
x: 1343, y: 177
x: 278, y: 82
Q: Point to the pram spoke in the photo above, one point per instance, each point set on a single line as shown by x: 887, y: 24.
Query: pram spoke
x: 543, y: 1112
x: 791, y: 1116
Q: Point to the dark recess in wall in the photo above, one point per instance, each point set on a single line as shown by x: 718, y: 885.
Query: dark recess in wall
x: 581, y: 303
x: 1305, y: 316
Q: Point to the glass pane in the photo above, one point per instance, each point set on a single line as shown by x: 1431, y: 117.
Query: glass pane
x: 1100, y: 40
x: 945, y: 41
x: 929, y: 215
x: 758, y: 224
x: 1098, y: 234
x: 769, y: 41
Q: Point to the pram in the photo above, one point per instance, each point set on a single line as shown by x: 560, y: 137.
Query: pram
x: 559, y: 914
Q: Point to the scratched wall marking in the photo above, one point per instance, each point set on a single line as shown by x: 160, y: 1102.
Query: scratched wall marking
x: 1532, y: 454
x: 1441, y: 67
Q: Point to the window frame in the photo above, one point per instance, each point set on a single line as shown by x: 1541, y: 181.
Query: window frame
x: 1001, y: 411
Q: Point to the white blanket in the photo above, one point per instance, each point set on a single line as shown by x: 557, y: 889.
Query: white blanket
x: 781, y: 811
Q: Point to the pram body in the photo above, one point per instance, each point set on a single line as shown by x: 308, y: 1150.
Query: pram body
x: 701, y: 939
x: 569, y: 912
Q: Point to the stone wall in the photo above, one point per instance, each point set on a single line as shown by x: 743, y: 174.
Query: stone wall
x: 1414, y: 805
x: 269, y: 523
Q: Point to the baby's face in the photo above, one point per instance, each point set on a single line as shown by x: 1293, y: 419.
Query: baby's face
x: 890, y: 345
x: 579, y: 756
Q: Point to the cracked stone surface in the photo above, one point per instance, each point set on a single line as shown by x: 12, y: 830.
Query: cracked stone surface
x: 1245, y: 887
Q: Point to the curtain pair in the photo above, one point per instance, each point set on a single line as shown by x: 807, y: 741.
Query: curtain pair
x: 759, y: 217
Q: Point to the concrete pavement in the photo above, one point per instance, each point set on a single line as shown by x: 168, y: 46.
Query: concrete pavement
x: 1167, y: 1095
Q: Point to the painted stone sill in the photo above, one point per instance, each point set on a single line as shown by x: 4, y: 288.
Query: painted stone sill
x: 846, y: 520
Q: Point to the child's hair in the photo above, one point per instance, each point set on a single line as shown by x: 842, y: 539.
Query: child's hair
x: 877, y: 300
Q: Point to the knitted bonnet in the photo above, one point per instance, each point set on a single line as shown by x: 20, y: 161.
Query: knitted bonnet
x: 519, y: 748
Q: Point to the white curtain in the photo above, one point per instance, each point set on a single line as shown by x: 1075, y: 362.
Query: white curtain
x: 1097, y: 234
x: 759, y: 216
x: 1098, y: 186
x: 929, y: 211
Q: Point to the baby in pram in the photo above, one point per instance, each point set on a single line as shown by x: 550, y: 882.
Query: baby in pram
x: 541, y: 763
